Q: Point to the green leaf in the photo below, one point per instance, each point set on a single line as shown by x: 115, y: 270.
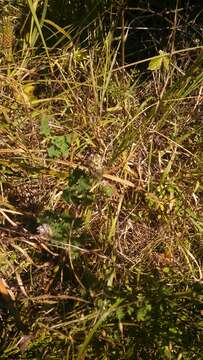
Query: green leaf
x: 108, y: 191
x: 120, y: 314
x: 29, y: 89
x: 53, y: 152
x: 143, y: 312
x: 44, y: 126
x: 83, y: 184
x: 61, y: 142
x: 156, y: 62
x: 78, y: 191
x: 60, y: 146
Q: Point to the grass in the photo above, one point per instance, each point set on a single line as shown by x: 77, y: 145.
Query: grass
x: 101, y: 219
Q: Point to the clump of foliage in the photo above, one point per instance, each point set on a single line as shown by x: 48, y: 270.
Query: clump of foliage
x: 100, y: 247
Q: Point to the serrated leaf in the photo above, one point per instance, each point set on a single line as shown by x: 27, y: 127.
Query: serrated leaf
x: 59, y: 146
x: 79, y: 188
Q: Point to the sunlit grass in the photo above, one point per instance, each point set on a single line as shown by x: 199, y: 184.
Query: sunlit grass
x: 100, y: 201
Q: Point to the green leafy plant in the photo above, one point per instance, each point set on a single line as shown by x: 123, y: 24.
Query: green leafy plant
x: 78, y: 191
x: 60, y: 146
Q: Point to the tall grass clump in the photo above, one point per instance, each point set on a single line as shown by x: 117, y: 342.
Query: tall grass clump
x: 101, y: 218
